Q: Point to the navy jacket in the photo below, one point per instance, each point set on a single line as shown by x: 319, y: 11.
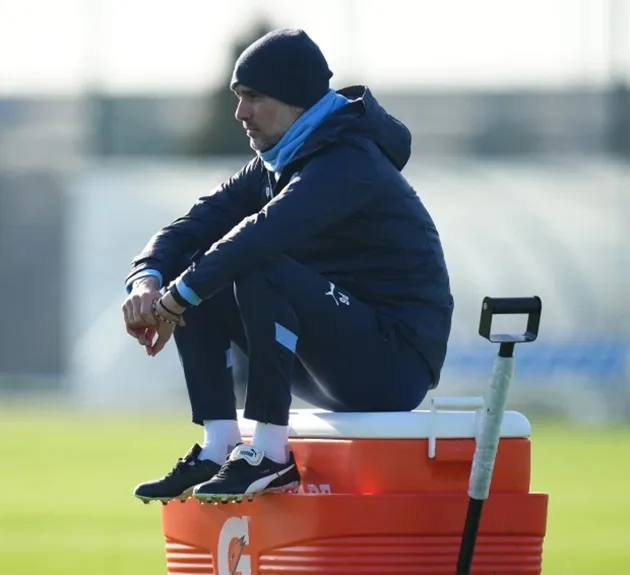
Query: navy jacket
x: 342, y: 208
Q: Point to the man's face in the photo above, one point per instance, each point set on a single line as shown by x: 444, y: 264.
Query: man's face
x: 265, y: 119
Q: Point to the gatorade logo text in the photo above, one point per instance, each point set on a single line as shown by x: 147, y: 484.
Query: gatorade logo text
x: 231, y: 556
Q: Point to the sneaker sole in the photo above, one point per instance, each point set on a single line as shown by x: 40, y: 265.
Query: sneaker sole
x: 164, y: 500
x: 289, y: 488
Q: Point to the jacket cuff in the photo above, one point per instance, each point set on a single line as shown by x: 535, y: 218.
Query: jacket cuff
x: 184, y: 295
x: 143, y: 273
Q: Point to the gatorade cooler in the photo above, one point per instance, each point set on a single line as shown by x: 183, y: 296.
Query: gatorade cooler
x: 387, y: 493
x: 382, y: 493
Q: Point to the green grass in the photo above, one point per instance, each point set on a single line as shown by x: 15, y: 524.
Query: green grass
x: 587, y: 475
x: 66, y: 504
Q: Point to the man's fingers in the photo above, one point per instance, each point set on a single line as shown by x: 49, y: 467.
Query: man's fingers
x: 127, y: 311
x: 137, y: 311
x: 132, y: 317
x: 133, y: 332
x: 136, y: 302
x: 144, y: 335
x: 158, y: 346
x: 147, y: 336
x: 164, y: 332
x: 146, y: 313
x: 140, y: 323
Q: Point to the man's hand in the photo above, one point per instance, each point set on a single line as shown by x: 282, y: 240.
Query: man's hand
x: 169, y: 317
x: 138, y: 316
x: 164, y: 331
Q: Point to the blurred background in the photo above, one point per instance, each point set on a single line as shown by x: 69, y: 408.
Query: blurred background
x: 116, y: 115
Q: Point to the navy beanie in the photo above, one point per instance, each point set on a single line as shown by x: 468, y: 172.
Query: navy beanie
x: 286, y: 65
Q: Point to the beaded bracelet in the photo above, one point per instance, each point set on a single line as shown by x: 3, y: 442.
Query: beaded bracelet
x: 159, y: 316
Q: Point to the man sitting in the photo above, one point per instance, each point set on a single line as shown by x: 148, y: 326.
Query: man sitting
x: 317, y: 259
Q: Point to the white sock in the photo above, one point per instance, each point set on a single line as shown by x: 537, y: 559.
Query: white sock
x: 220, y: 437
x: 273, y: 440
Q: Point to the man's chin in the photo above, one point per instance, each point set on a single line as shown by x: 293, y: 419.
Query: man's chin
x: 256, y: 145
x: 260, y: 148
x: 259, y: 145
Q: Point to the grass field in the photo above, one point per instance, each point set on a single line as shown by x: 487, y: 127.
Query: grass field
x: 66, y: 506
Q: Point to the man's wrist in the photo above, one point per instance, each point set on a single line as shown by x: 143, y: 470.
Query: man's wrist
x: 150, y: 282
x: 171, y: 304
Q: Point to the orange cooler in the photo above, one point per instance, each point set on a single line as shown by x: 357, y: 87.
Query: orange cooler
x: 381, y: 494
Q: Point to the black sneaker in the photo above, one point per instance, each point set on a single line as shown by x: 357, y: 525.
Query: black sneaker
x: 179, y: 482
x: 246, y: 473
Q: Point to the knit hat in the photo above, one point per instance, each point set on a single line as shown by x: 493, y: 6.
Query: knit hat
x: 286, y: 65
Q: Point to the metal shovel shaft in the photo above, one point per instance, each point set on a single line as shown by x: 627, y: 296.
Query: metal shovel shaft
x: 485, y: 453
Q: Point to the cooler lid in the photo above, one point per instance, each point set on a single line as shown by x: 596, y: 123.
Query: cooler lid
x: 418, y: 424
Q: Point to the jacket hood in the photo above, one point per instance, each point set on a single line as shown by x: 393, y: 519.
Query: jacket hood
x: 363, y: 116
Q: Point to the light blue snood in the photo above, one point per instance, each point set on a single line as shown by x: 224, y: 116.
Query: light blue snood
x: 285, y: 150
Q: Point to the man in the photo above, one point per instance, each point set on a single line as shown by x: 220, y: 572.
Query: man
x: 317, y: 259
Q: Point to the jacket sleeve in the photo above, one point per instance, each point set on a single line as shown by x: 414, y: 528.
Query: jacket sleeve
x: 210, y: 218
x: 329, y: 188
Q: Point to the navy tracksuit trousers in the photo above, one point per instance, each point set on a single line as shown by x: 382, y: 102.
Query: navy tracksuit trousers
x: 301, y: 335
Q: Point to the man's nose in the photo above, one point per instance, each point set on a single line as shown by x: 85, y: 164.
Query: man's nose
x: 243, y: 111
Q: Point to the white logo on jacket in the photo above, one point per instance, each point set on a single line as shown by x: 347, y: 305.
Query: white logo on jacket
x: 340, y: 298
